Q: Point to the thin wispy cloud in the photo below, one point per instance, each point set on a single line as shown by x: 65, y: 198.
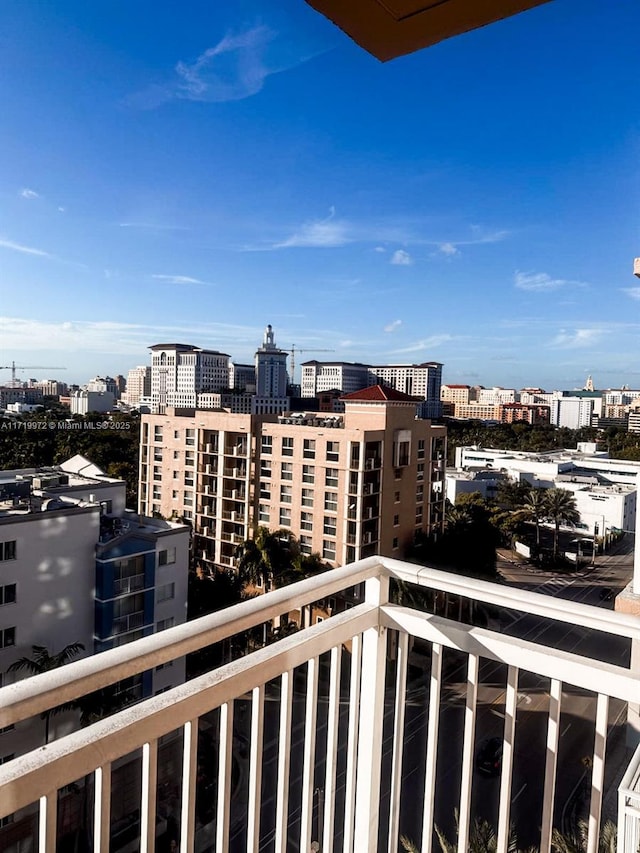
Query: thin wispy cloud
x: 30, y: 194
x: 542, y: 282
x: 25, y: 250
x: 179, y: 279
x: 235, y: 68
x: 393, y: 326
x: 153, y: 226
x: 426, y: 343
x: 401, y: 258
x: 577, y: 338
x: 328, y: 233
x: 632, y: 292
x: 479, y: 237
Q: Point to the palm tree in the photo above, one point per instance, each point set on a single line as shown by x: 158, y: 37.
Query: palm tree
x: 561, y: 509
x: 534, y: 508
x: 576, y: 842
x: 42, y: 661
x: 482, y: 839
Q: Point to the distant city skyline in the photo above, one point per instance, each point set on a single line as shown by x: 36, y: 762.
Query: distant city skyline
x: 475, y: 204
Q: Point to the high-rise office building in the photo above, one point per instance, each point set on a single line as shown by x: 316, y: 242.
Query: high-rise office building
x: 179, y: 372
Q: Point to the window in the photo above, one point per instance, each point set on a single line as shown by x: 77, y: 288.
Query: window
x: 328, y: 550
x: 176, y: 475
x: 331, y: 477
x: 333, y: 451
x: 305, y: 545
x: 167, y: 557
x: 176, y: 454
x: 421, y: 448
x: 157, y: 434
x: 306, y: 521
x: 309, y: 448
x: 331, y: 501
x: 157, y: 473
x: 163, y: 624
x: 7, y: 637
x: 165, y: 592
x: 308, y: 474
x: 287, y: 446
x: 157, y: 454
x: 174, y: 495
x: 265, y: 468
x: 189, y: 458
x: 8, y: 550
x: 286, y: 471
x: 307, y: 497
x: 285, y: 517
x: 329, y: 526
x: 176, y: 433
x: 285, y: 494
x: 395, y: 543
x: 8, y: 594
x: 419, y: 515
x: 396, y: 520
x: 419, y: 493
x: 190, y: 439
x: 265, y: 491
x: 420, y: 474
x: 266, y: 444
x: 263, y: 513
x: 396, y: 497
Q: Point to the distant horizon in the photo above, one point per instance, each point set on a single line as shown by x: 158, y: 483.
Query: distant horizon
x: 475, y: 203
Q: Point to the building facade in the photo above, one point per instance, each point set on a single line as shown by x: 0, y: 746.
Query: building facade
x: 347, y: 486
x: 179, y: 372
x: 75, y: 567
x: 138, y: 384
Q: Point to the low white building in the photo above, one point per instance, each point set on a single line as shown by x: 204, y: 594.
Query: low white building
x: 83, y: 402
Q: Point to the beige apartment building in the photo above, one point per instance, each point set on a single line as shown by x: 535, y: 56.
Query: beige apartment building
x: 346, y: 485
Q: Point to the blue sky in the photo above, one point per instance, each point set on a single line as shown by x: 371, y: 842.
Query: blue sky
x: 190, y: 173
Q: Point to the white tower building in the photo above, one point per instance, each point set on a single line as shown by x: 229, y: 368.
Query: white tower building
x: 271, y: 368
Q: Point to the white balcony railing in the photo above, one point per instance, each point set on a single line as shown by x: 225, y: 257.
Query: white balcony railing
x: 389, y: 735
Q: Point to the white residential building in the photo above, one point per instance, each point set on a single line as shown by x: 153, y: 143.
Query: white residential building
x: 574, y: 412
x: 83, y: 402
x: 138, y: 384
x: 179, y: 372
x: 418, y: 380
x: 497, y: 396
x: 75, y: 567
x: 318, y: 376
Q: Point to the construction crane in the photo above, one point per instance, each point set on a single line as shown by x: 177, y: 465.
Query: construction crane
x: 292, y: 353
x: 13, y: 367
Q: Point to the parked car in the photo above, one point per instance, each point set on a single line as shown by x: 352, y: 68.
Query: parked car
x: 489, y: 757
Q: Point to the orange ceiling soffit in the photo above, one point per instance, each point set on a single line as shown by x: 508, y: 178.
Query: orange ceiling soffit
x: 391, y: 28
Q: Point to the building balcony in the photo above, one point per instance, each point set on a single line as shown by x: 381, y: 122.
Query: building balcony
x: 370, y: 724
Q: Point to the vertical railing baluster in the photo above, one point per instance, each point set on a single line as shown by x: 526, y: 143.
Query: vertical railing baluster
x: 352, y: 745
x: 467, y: 753
x: 48, y: 823
x: 432, y: 747
x: 398, y: 740
x: 374, y: 659
x: 284, y: 761
x: 224, y: 777
x: 148, y: 800
x: 597, y: 772
x: 189, y: 774
x: 332, y: 750
x: 255, y: 768
x: 551, y: 764
x: 102, y: 808
x: 504, y: 808
x: 308, y: 767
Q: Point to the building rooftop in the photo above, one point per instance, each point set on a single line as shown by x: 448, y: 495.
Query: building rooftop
x: 379, y: 394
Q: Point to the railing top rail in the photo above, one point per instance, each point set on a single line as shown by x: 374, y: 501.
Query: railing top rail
x: 515, y: 598
x: 39, y: 693
x: 80, y: 752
